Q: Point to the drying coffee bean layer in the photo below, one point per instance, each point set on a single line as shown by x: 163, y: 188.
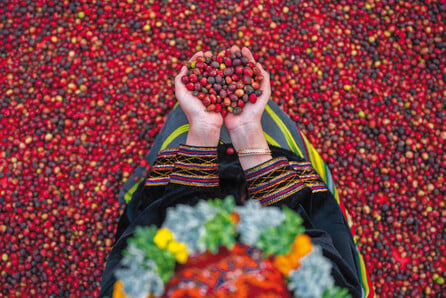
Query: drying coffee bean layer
x: 87, y: 84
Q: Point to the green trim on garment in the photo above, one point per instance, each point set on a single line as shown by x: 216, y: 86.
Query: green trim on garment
x: 288, y: 136
x: 316, y: 159
x: 174, y: 134
x: 129, y: 194
x: 177, y: 132
x: 270, y: 140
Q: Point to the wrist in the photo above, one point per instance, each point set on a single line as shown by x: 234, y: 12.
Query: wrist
x: 201, y: 136
x: 250, y: 161
x: 248, y: 136
x: 246, y: 127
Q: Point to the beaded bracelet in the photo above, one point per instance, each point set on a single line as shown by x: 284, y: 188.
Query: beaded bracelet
x: 247, y: 152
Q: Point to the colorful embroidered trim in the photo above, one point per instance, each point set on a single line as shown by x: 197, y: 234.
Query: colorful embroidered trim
x: 309, y: 176
x: 162, y: 168
x: 272, y: 181
x: 196, y: 166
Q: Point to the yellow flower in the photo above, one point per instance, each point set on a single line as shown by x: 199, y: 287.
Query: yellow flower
x: 118, y: 290
x: 162, y: 237
x: 182, y: 256
x: 179, y: 250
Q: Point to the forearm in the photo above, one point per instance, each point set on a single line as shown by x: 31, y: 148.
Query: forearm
x: 250, y: 136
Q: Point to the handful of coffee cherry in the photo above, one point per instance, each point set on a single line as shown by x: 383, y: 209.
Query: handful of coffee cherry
x: 224, y: 83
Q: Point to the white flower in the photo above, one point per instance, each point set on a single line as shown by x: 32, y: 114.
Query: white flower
x: 254, y: 219
x: 187, y: 224
x: 139, y: 281
x: 313, y: 277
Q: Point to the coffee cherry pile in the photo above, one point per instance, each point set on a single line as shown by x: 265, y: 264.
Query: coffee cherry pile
x: 86, y: 86
x: 224, y: 83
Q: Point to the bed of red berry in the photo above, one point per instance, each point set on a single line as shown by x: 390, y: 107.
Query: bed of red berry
x: 86, y: 85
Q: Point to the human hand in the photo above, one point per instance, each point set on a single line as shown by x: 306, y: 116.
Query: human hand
x: 195, y: 111
x: 204, y: 126
x: 245, y: 129
x: 251, y: 113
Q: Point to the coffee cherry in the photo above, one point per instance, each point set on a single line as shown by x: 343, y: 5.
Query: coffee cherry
x: 247, y: 80
x: 239, y: 92
x: 193, y: 78
x: 185, y: 79
x: 239, y: 70
x: 190, y: 86
x: 197, y: 86
x: 237, y: 110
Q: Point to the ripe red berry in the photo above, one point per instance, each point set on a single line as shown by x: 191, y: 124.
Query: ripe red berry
x: 190, y: 86
x: 185, y: 79
x: 193, y: 78
x: 252, y: 98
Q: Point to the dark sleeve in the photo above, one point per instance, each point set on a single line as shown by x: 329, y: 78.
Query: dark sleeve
x: 194, y: 177
x: 297, y: 185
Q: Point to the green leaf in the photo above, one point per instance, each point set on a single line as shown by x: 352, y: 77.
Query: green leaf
x: 220, y: 231
x: 228, y: 204
x: 278, y: 240
x: 336, y: 292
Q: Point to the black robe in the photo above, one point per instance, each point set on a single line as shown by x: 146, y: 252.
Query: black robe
x: 322, y: 216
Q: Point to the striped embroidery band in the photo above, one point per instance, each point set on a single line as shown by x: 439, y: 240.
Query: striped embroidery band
x: 204, y: 181
x: 162, y: 168
x: 157, y: 181
x: 309, y: 176
x: 271, y: 182
x: 186, y: 150
x: 285, y: 192
x: 269, y: 165
x: 197, y: 166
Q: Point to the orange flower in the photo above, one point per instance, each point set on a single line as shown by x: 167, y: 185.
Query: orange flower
x: 118, y: 290
x: 283, y: 264
x: 294, y: 259
x: 302, y: 245
x: 234, y: 217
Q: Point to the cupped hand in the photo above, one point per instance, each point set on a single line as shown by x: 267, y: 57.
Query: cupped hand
x: 251, y: 113
x: 197, y: 115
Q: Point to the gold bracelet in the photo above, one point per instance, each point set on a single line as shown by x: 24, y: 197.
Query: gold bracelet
x: 247, y: 152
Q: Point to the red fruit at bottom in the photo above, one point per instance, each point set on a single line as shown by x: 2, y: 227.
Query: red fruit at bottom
x: 252, y: 98
x: 218, y: 108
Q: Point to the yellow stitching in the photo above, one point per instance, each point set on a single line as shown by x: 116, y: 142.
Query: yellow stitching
x: 291, y: 192
x: 206, y: 184
x: 275, y: 174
